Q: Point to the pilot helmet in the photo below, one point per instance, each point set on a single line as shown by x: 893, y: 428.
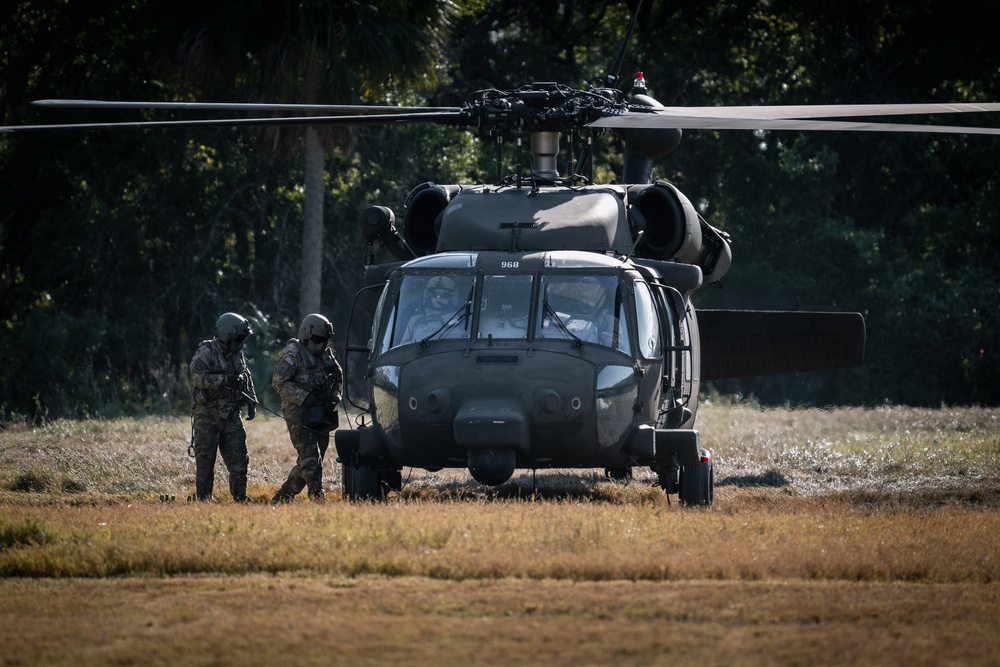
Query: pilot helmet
x: 232, y: 330
x: 440, y: 286
x: 315, y: 328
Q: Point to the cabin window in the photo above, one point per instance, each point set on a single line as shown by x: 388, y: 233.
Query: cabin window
x: 505, y: 306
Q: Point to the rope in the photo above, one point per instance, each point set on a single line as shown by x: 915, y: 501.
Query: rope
x: 282, y: 417
x: 190, y: 449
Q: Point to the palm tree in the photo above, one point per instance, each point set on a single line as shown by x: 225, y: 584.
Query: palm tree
x: 313, y: 52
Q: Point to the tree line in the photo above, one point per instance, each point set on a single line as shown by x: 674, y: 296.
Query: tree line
x: 119, y: 249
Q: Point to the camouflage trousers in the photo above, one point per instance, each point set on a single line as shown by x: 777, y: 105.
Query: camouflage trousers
x: 308, y: 469
x: 214, y: 435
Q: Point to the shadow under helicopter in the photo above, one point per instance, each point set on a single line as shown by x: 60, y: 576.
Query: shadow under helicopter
x: 566, y: 486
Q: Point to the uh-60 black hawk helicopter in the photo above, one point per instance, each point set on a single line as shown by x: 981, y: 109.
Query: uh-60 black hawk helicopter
x: 544, y: 321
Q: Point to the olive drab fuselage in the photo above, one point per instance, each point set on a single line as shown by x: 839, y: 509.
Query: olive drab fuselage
x: 560, y: 359
x: 552, y: 327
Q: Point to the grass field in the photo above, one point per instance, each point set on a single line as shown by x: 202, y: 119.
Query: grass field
x: 845, y: 536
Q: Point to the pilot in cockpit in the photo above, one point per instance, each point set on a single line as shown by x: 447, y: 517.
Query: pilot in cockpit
x: 440, y: 317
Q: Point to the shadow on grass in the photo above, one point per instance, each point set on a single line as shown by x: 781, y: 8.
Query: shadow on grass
x: 539, y: 487
x: 774, y: 479
x: 986, y: 495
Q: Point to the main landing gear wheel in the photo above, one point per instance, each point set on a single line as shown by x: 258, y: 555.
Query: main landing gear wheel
x: 369, y: 483
x: 366, y: 484
x: 621, y: 475
x: 697, y: 482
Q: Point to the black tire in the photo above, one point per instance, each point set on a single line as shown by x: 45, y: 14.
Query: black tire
x: 392, y: 480
x: 367, y: 484
x: 621, y: 475
x: 697, y: 483
x: 347, y: 479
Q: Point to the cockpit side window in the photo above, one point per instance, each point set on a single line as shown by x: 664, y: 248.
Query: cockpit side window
x: 648, y: 323
x: 381, y: 311
x: 612, y: 324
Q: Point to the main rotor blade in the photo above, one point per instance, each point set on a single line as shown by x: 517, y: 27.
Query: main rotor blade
x: 792, y: 111
x: 440, y: 117
x: 682, y: 122
x: 238, y: 106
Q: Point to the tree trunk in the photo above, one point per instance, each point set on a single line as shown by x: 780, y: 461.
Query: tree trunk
x: 310, y: 294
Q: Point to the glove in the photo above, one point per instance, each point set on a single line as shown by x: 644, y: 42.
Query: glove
x: 251, y: 411
x: 233, y: 380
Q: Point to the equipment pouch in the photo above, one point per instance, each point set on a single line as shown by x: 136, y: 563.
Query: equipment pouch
x: 321, y: 418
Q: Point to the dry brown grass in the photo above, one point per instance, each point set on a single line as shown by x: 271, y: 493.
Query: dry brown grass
x: 845, y: 536
x: 320, y: 620
x: 759, y: 537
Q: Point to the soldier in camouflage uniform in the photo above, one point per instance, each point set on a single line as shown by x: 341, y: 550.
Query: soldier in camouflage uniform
x: 222, y: 384
x: 307, y: 375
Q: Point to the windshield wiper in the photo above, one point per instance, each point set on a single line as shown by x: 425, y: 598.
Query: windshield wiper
x: 553, y: 315
x: 456, y: 318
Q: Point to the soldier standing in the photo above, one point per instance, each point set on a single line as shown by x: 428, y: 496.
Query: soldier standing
x: 222, y: 385
x: 308, y: 378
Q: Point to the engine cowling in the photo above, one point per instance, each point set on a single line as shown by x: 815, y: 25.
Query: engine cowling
x: 670, y: 227
x: 672, y: 230
x: 422, y: 220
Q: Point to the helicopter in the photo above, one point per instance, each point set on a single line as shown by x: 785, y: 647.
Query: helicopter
x: 547, y: 322
x: 562, y: 309
x: 563, y: 312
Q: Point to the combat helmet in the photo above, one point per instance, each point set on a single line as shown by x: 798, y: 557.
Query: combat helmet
x: 232, y: 330
x: 315, y: 324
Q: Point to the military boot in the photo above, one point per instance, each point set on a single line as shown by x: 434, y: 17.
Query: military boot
x: 203, y: 488
x: 316, y: 493
x: 238, y: 487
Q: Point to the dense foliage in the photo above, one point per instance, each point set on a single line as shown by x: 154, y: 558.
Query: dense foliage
x: 118, y: 250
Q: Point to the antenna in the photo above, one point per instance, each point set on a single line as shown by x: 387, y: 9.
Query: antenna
x: 613, y: 77
x: 638, y: 237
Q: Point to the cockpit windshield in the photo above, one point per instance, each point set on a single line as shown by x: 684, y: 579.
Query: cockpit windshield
x: 520, y: 306
x: 589, y: 309
x: 431, y: 307
x: 505, y: 306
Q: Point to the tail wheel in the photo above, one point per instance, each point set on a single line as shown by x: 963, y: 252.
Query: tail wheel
x: 697, y: 482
